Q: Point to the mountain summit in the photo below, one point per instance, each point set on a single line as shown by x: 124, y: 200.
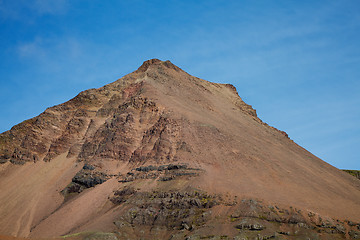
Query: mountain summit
x: 162, y: 154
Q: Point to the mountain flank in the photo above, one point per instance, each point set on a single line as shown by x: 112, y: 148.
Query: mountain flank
x: 161, y: 154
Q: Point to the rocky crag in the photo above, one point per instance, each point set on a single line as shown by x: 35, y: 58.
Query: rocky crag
x: 160, y: 154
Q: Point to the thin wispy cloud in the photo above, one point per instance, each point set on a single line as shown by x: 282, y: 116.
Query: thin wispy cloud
x: 34, y: 49
x: 50, y: 49
x: 50, y: 7
x: 29, y: 10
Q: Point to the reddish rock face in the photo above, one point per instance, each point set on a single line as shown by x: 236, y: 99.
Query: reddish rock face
x: 117, y: 121
x: 135, y: 133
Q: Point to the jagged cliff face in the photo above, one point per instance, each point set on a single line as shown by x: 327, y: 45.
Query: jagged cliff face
x: 110, y: 154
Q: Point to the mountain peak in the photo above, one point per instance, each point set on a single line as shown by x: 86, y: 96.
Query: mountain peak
x: 150, y: 154
x: 158, y: 62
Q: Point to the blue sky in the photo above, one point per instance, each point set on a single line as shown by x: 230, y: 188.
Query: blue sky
x: 296, y: 62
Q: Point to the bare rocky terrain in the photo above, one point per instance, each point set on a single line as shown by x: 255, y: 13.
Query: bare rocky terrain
x: 160, y: 154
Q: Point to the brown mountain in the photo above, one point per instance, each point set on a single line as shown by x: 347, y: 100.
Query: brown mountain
x: 160, y: 154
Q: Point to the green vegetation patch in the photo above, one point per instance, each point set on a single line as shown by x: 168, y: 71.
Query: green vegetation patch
x: 355, y: 173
